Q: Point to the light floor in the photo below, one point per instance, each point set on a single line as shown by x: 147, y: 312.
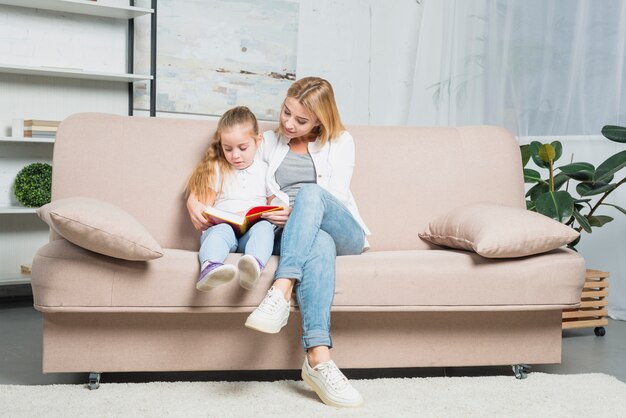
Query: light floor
x: 20, y: 357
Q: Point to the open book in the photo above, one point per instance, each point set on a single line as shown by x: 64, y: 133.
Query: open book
x: 240, y: 223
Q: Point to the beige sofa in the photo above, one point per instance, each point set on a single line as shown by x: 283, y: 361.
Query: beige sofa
x: 404, y: 303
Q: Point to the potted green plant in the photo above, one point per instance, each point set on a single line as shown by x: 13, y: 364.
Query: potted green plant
x: 33, y: 184
x: 554, y: 196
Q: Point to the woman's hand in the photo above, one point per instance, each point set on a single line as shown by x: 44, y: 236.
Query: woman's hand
x: 195, y: 209
x: 277, y: 217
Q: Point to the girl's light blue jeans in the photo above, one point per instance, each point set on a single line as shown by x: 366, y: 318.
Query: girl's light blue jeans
x: 219, y: 240
x: 319, y: 228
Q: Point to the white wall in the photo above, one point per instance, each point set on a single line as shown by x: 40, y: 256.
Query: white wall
x: 366, y: 49
x: 35, y: 37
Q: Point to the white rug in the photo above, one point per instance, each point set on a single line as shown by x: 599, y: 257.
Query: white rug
x: 540, y: 395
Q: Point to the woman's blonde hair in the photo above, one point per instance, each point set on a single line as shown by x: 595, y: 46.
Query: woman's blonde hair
x: 205, y: 175
x: 316, y: 95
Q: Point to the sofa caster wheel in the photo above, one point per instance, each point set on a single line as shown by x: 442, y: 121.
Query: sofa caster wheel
x: 599, y: 331
x: 94, y: 380
x: 521, y: 370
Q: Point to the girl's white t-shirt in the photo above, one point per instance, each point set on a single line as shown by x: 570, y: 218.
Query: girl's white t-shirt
x: 243, y: 189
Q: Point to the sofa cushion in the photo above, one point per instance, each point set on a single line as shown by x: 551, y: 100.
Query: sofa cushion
x: 100, y: 227
x: 80, y: 280
x: 498, y: 231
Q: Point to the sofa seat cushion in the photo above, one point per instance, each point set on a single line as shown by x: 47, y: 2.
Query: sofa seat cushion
x: 69, y: 278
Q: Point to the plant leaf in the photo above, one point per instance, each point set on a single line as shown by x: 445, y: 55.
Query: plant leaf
x: 582, y: 221
x: 532, y: 176
x: 578, y: 171
x: 608, y: 168
x: 599, y: 220
x: 572, y: 245
x: 530, y: 205
x: 525, y: 150
x: 581, y: 201
x: 534, y: 154
x: 559, y: 180
x: 590, y: 189
x: 547, y: 153
x: 614, y: 133
x: 556, y: 205
x: 621, y: 209
x: 537, y: 190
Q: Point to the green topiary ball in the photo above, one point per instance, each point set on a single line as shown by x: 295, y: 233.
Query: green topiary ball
x: 33, y: 185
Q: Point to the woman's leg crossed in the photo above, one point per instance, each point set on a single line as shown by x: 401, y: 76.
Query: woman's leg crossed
x: 316, y: 209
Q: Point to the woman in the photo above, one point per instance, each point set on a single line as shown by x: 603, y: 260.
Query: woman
x: 311, y: 159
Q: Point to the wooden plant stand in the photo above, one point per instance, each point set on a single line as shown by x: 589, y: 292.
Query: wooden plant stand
x: 593, y: 304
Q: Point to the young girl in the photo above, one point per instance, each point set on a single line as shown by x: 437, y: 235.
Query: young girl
x: 231, y: 177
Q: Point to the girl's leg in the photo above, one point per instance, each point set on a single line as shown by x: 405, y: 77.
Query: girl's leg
x: 215, y: 244
x: 257, y: 245
x: 258, y: 241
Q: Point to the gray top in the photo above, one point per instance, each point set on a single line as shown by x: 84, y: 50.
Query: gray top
x: 294, y: 171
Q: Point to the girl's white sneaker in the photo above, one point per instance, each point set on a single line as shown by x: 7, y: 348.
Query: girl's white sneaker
x: 214, y: 275
x: 249, y: 271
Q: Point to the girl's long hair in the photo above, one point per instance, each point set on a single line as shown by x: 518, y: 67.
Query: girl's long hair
x: 317, y: 96
x: 214, y: 165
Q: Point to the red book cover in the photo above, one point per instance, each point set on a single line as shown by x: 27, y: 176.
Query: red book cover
x: 240, y: 223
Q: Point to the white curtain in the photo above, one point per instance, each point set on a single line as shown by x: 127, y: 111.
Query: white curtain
x: 536, y: 67
x: 540, y: 68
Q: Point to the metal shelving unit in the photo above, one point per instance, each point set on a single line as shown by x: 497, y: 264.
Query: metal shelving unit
x: 90, y: 8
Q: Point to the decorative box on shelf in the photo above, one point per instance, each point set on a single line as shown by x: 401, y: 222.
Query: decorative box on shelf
x: 593, y: 304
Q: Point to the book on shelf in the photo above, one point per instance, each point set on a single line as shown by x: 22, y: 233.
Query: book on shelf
x: 41, y: 122
x: 40, y: 128
x: 37, y: 134
x: 239, y: 223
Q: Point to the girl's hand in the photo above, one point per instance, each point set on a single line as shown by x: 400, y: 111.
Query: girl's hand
x: 277, y: 217
x: 195, y: 209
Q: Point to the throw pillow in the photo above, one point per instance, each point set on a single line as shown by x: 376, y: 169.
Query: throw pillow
x: 100, y: 227
x: 497, y: 231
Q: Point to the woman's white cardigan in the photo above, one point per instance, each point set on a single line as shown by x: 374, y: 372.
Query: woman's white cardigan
x: 334, y: 163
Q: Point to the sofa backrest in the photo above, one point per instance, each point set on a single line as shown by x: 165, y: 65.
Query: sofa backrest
x: 404, y: 176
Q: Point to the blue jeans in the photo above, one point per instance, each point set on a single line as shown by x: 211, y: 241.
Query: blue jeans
x: 319, y: 228
x: 219, y: 240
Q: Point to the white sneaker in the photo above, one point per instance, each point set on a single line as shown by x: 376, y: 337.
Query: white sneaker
x: 249, y: 271
x: 214, y: 275
x: 272, y: 313
x: 330, y: 384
